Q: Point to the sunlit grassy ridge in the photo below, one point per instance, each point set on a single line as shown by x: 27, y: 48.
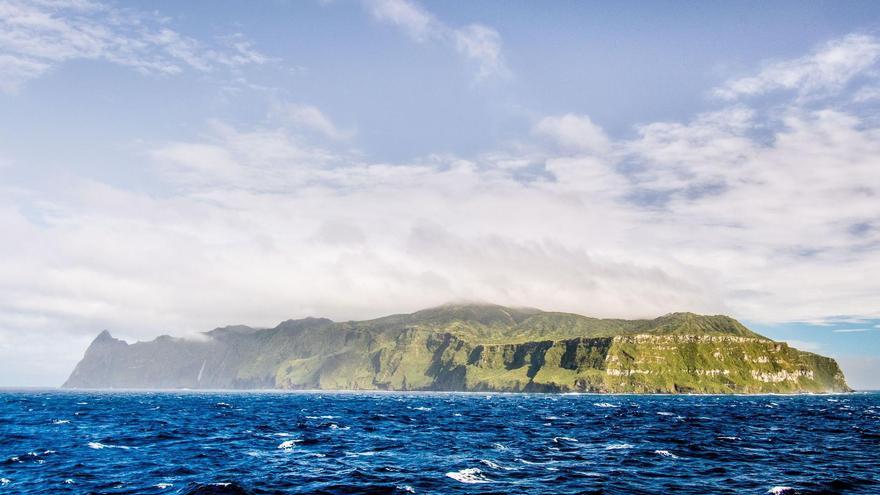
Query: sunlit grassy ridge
x: 478, y: 347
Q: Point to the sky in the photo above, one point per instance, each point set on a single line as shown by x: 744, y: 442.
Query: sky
x: 171, y: 167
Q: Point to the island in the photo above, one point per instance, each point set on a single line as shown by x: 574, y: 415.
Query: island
x: 468, y: 347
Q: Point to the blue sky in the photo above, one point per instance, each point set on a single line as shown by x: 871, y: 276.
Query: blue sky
x: 172, y: 167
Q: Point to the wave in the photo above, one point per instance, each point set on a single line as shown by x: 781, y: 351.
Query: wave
x: 604, y: 404
x: 618, y: 446
x: 368, y: 453
x: 494, y: 465
x: 287, y: 444
x: 781, y: 490
x: 99, y: 446
x: 666, y: 453
x: 532, y: 463
x: 469, y: 475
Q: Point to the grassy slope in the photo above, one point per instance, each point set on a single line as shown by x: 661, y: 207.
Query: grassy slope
x: 485, y: 347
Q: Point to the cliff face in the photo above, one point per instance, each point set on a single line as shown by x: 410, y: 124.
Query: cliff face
x: 469, y: 347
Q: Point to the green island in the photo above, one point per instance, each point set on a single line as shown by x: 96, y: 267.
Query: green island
x: 468, y: 347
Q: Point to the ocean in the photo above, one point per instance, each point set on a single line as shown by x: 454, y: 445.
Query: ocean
x: 436, y: 443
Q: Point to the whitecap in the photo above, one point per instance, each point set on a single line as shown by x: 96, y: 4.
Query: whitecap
x: 664, y: 413
x: 321, y: 417
x: 337, y: 427
x: 728, y: 438
x: 60, y: 421
x: 604, y: 404
x: 564, y: 439
x: 551, y: 418
x: 495, y: 465
x: 618, y: 446
x: 68, y: 481
x: 530, y: 463
x: 469, y: 475
x: 163, y: 486
x: 456, y: 414
x: 99, y: 446
x: 223, y: 404
x: 666, y: 453
x: 5, y: 481
x: 422, y: 408
x: 781, y: 490
x: 406, y: 488
x: 287, y: 444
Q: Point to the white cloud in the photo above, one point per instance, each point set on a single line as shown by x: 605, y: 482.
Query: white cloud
x: 851, y: 330
x: 476, y: 42
x: 829, y: 68
x: 483, y: 45
x: 866, y: 94
x: 418, y: 23
x: 576, y: 132
x: 708, y: 151
x: 310, y: 117
x: 36, y: 36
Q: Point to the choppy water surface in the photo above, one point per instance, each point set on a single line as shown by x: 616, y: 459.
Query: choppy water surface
x: 115, y: 443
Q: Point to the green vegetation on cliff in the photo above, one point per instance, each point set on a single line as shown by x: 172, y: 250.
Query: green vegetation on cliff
x: 469, y: 347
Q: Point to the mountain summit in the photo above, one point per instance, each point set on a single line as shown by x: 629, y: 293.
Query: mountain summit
x: 469, y: 347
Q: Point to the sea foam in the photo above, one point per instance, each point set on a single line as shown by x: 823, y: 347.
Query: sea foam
x: 469, y: 475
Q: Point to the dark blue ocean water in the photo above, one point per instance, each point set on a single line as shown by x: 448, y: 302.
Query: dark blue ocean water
x: 162, y: 443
